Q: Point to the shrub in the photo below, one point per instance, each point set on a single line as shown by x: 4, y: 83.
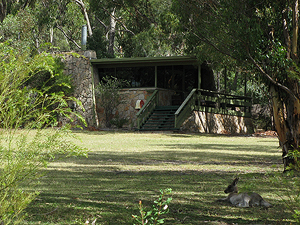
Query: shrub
x: 119, y: 122
x: 108, y: 92
x: 161, y: 207
x: 23, y: 152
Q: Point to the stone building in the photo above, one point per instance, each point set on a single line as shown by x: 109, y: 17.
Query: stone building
x: 179, y: 84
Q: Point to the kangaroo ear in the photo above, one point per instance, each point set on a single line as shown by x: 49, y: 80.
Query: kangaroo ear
x: 236, y: 180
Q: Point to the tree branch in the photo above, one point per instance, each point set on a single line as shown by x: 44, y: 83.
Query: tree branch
x: 118, y: 20
x: 101, y: 22
x: 81, y: 4
x: 207, y: 41
x: 272, y: 80
x: 69, y: 38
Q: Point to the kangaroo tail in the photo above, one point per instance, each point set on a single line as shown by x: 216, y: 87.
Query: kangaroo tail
x: 265, y: 204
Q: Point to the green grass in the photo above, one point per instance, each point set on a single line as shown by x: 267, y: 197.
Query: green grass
x: 125, y: 167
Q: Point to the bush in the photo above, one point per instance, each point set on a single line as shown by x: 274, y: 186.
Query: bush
x: 108, y: 92
x: 119, y: 122
x: 161, y: 207
x: 23, y: 152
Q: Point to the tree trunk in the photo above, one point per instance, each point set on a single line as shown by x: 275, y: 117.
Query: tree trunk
x: 295, y: 28
x: 112, y: 33
x: 86, y: 16
x: 287, y: 123
x: 51, y: 35
x: 3, y: 8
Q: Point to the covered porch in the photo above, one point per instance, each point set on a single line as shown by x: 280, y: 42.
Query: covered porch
x: 178, y: 74
x: 170, y: 87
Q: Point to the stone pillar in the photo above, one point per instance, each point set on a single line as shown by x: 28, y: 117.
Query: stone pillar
x: 79, y: 67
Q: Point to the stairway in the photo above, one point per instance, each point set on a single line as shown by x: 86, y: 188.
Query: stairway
x: 162, y: 119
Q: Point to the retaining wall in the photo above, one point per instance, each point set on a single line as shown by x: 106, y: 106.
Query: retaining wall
x: 128, y: 109
x: 216, y: 123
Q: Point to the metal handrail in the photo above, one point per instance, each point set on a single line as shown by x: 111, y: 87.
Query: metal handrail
x: 147, y: 109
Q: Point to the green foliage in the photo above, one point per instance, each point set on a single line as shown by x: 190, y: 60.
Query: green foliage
x: 119, y: 122
x: 24, y: 105
x: 161, y: 207
x: 22, y: 155
x: 17, y: 29
x: 98, y: 43
x: 295, y: 156
x: 50, y: 78
x: 44, y: 23
x: 143, y: 28
x: 23, y: 152
x: 108, y: 90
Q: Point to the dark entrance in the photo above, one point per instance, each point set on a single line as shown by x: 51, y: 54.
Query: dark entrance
x: 179, y: 74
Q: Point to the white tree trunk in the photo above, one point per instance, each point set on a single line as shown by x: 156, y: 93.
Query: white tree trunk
x: 112, y: 33
x: 86, y: 16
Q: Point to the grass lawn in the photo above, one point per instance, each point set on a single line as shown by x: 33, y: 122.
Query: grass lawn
x: 125, y: 167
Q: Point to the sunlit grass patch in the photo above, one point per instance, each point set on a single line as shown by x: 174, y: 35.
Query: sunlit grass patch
x: 125, y: 167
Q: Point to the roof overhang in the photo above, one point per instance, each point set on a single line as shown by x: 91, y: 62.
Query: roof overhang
x: 145, y: 61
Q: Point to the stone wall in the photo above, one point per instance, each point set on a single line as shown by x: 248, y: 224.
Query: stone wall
x: 128, y: 109
x: 79, y: 67
x: 216, y: 123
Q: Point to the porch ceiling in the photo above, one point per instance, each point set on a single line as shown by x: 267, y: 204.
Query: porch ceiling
x: 145, y: 61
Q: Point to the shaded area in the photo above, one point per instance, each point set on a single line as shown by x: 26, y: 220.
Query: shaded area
x: 196, y: 154
x: 113, y: 196
x: 109, y: 184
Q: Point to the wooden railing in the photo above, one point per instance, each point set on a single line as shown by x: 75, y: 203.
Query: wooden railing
x: 213, y: 102
x: 147, y: 109
x: 221, y: 103
x: 200, y: 100
x: 185, y: 109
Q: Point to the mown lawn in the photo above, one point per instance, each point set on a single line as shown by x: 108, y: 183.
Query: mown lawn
x: 125, y: 167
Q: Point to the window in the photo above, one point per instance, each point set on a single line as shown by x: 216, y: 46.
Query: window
x: 136, y: 76
x: 178, y: 78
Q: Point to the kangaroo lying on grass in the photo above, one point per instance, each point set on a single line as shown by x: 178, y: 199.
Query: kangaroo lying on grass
x: 243, y: 199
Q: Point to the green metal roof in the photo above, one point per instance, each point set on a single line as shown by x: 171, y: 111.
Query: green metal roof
x: 145, y: 61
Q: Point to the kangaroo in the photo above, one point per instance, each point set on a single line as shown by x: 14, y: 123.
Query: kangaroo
x: 243, y: 199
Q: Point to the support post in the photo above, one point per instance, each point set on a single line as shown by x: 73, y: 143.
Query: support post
x: 199, y: 76
x: 225, y: 79
x: 155, y: 77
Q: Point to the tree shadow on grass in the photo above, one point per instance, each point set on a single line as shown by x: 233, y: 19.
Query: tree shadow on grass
x: 109, y: 184
x: 195, y: 155
x: 113, y: 197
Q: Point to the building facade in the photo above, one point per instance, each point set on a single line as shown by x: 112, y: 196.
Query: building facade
x: 172, y: 78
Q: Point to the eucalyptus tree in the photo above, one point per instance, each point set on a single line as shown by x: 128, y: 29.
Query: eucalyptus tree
x: 135, y: 28
x: 262, y: 37
x: 12, y: 6
x: 39, y: 23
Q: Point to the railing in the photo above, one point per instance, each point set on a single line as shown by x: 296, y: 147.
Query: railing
x: 185, y: 109
x: 221, y: 103
x: 147, y: 109
x: 213, y: 102
x: 200, y: 100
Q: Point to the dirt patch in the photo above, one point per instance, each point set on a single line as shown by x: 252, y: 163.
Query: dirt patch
x: 268, y: 133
